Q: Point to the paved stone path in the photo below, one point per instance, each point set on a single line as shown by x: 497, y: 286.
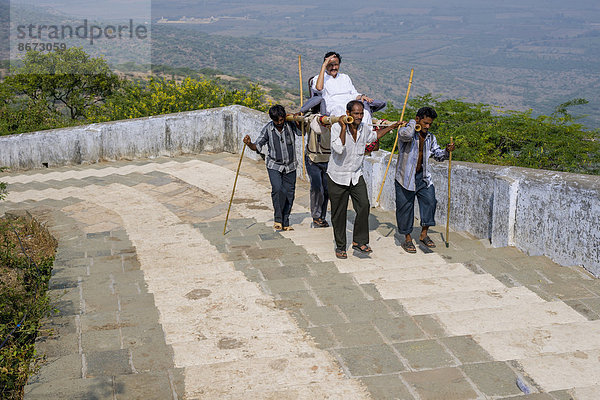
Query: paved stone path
x: 155, y: 302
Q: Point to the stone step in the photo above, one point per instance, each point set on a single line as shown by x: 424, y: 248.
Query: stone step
x: 212, y: 381
x: 438, y: 286
x: 312, y: 391
x: 240, y: 347
x: 535, y: 341
x: 586, y: 393
x: 464, y: 301
x: 523, y: 315
x: 579, y: 369
x: 91, y: 172
x: 406, y: 273
x: 187, y: 281
x: 377, y: 263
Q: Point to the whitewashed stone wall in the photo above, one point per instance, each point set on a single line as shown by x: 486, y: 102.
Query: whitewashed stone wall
x: 540, y: 212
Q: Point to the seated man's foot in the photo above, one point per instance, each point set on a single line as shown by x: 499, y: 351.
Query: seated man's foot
x: 427, y: 242
x: 409, y: 247
x: 320, y: 223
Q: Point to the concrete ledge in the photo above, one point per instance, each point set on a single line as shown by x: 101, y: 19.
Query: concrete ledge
x: 556, y: 214
x: 540, y: 212
x: 212, y: 130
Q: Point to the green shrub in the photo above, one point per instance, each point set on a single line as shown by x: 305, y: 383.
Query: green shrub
x: 23, y: 299
x: 484, y: 134
x: 160, y: 96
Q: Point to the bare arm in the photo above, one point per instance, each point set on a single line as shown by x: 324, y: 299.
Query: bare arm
x: 336, y: 139
x: 342, y: 132
x: 249, y: 143
x: 261, y: 140
x: 321, y: 78
x: 382, y: 132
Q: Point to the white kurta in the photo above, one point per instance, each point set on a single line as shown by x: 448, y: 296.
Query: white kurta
x: 346, y: 160
x: 337, y: 92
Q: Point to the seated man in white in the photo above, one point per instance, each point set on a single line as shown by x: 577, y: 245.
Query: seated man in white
x: 337, y: 88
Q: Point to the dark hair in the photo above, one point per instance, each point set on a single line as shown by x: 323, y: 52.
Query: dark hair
x: 276, y: 112
x: 425, y: 112
x: 332, y: 53
x: 352, y: 103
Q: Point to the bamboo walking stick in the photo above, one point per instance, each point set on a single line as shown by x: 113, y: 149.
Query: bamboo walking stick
x: 449, y: 175
x: 396, y: 141
x: 233, y: 191
x: 301, y: 104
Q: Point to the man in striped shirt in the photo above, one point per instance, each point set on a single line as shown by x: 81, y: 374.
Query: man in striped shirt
x: 413, y: 177
x: 279, y: 138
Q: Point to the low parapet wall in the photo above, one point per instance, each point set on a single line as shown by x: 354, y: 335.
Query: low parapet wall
x: 540, y: 212
x: 555, y: 214
x: 212, y: 130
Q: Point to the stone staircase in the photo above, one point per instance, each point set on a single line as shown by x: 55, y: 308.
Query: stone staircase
x: 462, y: 322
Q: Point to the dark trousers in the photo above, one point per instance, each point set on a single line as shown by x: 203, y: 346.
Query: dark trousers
x: 338, y: 194
x: 405, y: 205
x: 283, y: 189
x: 317, y: 172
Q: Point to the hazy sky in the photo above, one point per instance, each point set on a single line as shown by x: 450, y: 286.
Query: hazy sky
x: 107, y: 9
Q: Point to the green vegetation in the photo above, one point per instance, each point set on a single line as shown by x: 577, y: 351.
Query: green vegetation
x: 69, y: 88
x: 2, y: 188
x: 66, y: 88
x: 484, y: 134
x: 160, y: 96
x: 26, y: 258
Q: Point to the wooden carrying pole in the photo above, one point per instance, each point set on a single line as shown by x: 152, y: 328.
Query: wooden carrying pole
x: 382, y: 122
x: 330, y: 120
x: 301, y: 104
x: 233, y: 191
x: 396, y: 141
x: 323, y: 119
x: 449, y: 175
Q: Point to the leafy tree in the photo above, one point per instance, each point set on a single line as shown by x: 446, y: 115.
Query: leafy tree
x: 65, y: 82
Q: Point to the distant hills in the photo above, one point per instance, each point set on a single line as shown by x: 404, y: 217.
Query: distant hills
x: 510, y: 54
x: 518, y: 55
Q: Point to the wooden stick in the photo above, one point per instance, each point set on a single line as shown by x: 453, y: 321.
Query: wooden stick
x: 396, y: 141
x: 301, y: 104
x: 449, y: 175
x: 381, y: 122
x: 233, y: 191
x: 296, y: 118
x: 330, y: 120
x: 323, y: 119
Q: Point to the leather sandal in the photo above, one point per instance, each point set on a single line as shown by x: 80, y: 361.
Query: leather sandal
x: 341, y: 253
x: 409, y: 247
x: 363, y: 248
x: 427, y: 242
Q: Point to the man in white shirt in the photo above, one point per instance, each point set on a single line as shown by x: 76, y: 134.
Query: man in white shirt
x: 344, y: 178
x: 337, y: 88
